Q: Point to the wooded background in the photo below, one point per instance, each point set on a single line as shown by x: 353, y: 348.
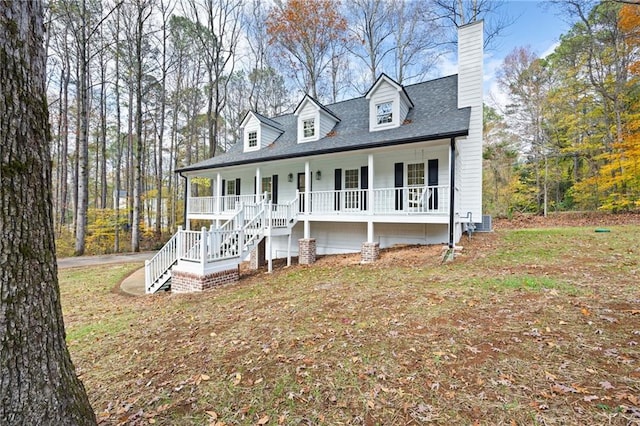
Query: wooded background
x: 138, y: 88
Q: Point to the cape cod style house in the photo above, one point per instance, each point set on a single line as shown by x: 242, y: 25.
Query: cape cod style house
x: 400, y: 165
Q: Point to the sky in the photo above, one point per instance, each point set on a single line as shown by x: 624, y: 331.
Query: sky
x: 536, y: 26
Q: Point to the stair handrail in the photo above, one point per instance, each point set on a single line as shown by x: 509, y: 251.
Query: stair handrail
x: 233, y: 224
x: 294, y: 207
x: 256, y: 225
x: 246, y: 232
x: 160, y: 263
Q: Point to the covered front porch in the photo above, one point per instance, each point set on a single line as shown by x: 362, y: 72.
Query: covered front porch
x: 384, y: 185
x: 405, y: 201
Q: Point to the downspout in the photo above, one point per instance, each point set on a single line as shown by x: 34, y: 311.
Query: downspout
x: 184, y: 213
x: 452, y: 184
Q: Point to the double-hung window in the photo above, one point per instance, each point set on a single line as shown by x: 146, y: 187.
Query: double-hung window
x: 309, y: 128
x: 384, y: 112
x: 253, y: 139
x: 415, y: 174
x: 231, y: 187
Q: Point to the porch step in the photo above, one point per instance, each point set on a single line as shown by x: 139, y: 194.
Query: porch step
x: 233, y: 240
x: 163, y: 282
x: 166, y: 286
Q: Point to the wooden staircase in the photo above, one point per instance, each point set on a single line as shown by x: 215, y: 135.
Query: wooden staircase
x: 232, y: 241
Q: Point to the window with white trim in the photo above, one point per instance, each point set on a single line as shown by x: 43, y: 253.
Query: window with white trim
x: 309, y: 128
x: 231, y: 187
x: 253, y: 139
x: 384, y: 112
x: 415, y: 174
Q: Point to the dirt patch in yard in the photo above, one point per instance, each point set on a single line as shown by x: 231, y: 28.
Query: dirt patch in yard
x: 561, y: 219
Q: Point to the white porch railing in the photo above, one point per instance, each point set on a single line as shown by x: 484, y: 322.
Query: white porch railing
x: 227, y: 203
x: 283, y: 215
x: 159, y: 264
x: 412, y: 200
x: 425, y: 200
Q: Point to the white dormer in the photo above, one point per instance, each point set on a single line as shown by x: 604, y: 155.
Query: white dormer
x: 389, y: 104
x: 258, y: 131
x: 314, y: 121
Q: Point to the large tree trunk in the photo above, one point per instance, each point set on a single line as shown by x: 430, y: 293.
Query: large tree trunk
x: 38, y: 384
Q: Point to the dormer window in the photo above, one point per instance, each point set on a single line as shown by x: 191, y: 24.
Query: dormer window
x: 313, y: 121
x: 309, y: 128
x: 258, y: 131
x: 384, y: 112
x: 389, y: 104
x: 253, y: 139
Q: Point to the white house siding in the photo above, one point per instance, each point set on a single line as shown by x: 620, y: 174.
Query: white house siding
x: 390, y: 234
x: 327, y: 123
x: 384, y: 164
x: 404, y: 110
x: 341, y: 237
x: 268, y: 136
x: 470, y: 52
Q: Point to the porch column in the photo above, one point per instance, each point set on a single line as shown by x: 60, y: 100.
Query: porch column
x: 188, y: 202
x: 269, y: 255
x: 370, y: 250
x: 258, y: 185
x: 307, y: 189
x: 370, y: 231
x: 307, y: 200
x: 370, y: 189
x: 218, y: 192
x: 307, y: 245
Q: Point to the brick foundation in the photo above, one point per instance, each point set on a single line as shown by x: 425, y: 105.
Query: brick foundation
x: 370, y: 252
x: 185, y: 282
x: 306, y: 251
x: 257, y: 256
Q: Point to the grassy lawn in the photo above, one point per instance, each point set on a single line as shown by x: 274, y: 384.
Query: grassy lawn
x: 525, y: 327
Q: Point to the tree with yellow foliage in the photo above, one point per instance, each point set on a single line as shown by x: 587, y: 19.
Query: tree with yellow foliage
x: 306, y: 31
x: 619, y: 178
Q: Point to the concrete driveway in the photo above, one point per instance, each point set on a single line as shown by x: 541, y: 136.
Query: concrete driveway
x: 106, y: 259
x: 132, y: 285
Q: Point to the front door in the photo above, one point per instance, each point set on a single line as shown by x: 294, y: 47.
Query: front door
x: 432, y: 181
x: 351, y: 189
x: 415, y: 182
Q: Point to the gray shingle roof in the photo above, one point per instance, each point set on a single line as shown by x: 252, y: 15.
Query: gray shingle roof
x: 268, y: 121
x: 435, y: 115
x: 322, y: 107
